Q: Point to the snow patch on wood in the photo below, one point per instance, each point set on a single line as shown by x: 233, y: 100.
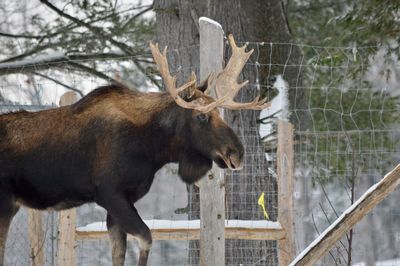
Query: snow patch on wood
x: 282, y: 98
x: 190, y: 224
x: 40, y: 59
x: 280, y: 103
x: 208, y: 20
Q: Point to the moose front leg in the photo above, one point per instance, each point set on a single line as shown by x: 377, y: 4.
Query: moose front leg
x: 118, y: 242
x: 126, y: 219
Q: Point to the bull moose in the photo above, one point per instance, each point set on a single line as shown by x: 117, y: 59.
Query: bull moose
x: 107, y: 147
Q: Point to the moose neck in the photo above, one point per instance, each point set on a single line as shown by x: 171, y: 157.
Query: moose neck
x: 166, y: 128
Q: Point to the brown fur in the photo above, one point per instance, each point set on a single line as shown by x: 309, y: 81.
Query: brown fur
x: 106, y: 149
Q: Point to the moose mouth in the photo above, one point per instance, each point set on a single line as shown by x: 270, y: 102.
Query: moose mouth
x: 225, y: 161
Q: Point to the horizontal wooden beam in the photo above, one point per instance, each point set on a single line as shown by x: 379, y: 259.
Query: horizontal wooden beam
x: 188, y: 230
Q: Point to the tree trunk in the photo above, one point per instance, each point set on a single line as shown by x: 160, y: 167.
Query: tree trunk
x: 249, y: 21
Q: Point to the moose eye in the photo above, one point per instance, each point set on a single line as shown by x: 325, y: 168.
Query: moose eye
x: 202, y: 118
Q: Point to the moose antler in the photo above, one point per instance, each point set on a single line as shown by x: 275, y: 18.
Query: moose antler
x: 224, y: 83
x: 170, y: 83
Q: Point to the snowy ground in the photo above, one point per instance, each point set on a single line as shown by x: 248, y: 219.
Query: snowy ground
x: 393, y: 262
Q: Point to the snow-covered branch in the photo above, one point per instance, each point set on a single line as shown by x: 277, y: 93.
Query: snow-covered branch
x: 55, y: 60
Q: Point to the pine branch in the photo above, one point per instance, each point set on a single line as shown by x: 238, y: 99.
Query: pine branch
x: 72, y: 26
x: 150, y: 7
x: 31, y: 64
x: 9, y: 35
x: 55, y: 62
x: 97, y: 31
x: 35, y: 50
x: 93, y: 29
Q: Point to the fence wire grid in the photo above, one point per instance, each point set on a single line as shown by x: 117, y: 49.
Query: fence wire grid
x: 343, y: 103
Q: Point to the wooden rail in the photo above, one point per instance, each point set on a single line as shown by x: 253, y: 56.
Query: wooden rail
x: 190, y: 230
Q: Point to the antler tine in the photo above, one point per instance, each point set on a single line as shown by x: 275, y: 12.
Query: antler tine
x: 239, y: 57
x: 170, y: 81
x: 162, y: 63
x: 226, y: 84
x: 254, y: 105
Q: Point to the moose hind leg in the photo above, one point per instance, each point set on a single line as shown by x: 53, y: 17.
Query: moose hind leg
x: 7, y: 211
x: 117, y: 241
x: 126, y: 216
x: 143, y: 257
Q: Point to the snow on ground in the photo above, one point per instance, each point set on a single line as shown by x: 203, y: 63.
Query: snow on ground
x: 188, y: 224
x: 392, y: 262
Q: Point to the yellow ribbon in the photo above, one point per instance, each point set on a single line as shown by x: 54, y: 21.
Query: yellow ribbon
x: 262, y: 204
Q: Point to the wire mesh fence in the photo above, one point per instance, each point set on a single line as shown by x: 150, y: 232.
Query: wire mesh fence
x: 343, y: 103
x: 350, y: 142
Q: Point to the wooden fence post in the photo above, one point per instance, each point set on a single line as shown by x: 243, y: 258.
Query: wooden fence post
x: 67, y: 219
x: 212, y: 187
x: 36, y: 237
x: 285, y: 190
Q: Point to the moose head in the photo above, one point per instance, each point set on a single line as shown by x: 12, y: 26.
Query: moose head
x: 210, y: 137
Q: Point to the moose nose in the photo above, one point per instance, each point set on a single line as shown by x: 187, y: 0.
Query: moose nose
x: 235, y: 157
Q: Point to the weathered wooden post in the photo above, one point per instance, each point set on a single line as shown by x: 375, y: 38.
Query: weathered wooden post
x: 67, y: 219
x: 212, y: 188
x: 36, y: 237
x: 285, y: 153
